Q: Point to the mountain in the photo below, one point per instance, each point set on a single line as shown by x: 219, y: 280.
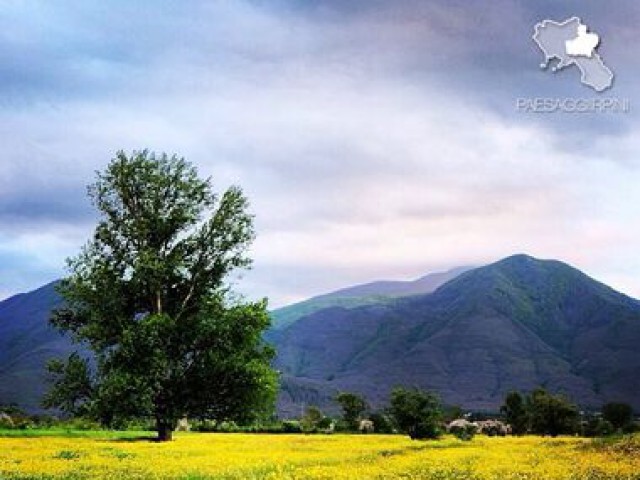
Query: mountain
x: 515, y: 324
x: 27, y: 342
x: 359, y: 295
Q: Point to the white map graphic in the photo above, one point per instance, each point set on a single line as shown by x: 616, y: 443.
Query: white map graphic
x: 570, y: 43
x: 584, y: 44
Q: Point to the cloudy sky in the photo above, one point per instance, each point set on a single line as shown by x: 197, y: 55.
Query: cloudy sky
x: 375, y: 139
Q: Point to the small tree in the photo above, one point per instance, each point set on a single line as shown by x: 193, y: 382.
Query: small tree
x: 312, y: 419
x: 382, y: 423
x: 515, y: 412
x: 551, y: 414
x: 620, y: 415
x: 416, y: 412
x: 148, y: 295
x: 353, y: 406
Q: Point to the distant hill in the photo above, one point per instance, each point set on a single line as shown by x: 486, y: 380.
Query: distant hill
x: 27, y: 342
x: 359, y: 295
x: 516, y: 324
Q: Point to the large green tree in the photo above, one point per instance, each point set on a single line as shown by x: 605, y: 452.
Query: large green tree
x: 149, y: 296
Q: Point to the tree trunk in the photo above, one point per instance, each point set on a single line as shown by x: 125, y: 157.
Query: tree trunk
x: 165, y: 421
x: 165, y: 430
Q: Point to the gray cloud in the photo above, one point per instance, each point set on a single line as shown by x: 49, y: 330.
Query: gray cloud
x: 375, y: 139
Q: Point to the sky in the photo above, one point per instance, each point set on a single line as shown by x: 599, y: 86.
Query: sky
x: 374, y: 139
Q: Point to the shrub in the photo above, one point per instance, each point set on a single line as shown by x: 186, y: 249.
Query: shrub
x: 463, y: 430
x: 81, y: 423
x: 353, y: 406
x: 6, y: 421
x: 310, y: 422
x: 227, y: 427
x: 416, y: 413
x: 619, y: 415
x: 291, y: 426
x: 381, y: 423
x: 599, y: 427
x: 326, y: 423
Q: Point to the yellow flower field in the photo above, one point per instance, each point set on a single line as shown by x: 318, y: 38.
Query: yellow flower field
x: 256, y: 456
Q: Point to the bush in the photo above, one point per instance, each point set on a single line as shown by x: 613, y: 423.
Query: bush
x: 6, y: 421
x: 631, y: 428
x: 45, y: 421
x: 146, y: 425
x: 353, y: 406
x: 227, y: 427
x: 425, y: 430
x: 291, y: 426
x: 463, y: 430
x: 416, y: 413
x: 81, y: 423
x: 204, y: 426
x: 620, y: 415
x: 310, y: 422
x: 598, y: 427
x: 326, y: 424
x: 381, y: 423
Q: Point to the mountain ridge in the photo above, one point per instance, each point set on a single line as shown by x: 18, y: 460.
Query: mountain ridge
x: 364, y: 294
x: 514, y: 324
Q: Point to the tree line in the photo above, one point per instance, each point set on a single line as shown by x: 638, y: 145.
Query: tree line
x: 421, y: 415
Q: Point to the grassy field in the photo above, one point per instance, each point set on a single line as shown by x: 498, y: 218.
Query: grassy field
x: 78, y: 455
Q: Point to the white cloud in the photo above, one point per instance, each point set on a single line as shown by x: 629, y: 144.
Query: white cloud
x: 359, y: 160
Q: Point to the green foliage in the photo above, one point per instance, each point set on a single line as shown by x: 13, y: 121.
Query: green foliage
x: 464, y: 432
x: 551, y: 414
x: 515, y: 412
x: 416, y: 412
x: 353, y: 406
x: 325, y: 424
x: 148, y: 296
x: 311, y: 420
x: 382, y: 423
x: 12, y: 410
x: 595, y: 426
x: 451, y: 412
x: 291, y: 426
x: 541, y: 413
x: 74, y: 388
x: 620, y: 415
x: 67, y: 455
x: 6, y: 422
